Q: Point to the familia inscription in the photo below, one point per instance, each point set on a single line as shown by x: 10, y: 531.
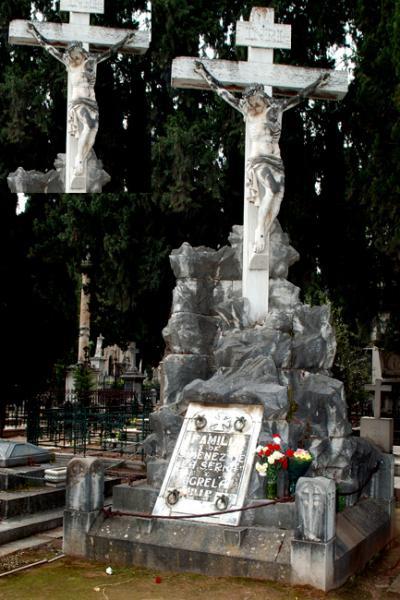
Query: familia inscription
x: 212, y: 462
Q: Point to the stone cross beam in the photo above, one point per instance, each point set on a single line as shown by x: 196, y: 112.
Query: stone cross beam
x: 378, y: 387
x: 93, y: 38
x: 261, y: 35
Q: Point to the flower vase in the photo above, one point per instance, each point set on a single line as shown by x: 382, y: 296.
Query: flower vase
x: 296, y: 469
x: 272, y: 484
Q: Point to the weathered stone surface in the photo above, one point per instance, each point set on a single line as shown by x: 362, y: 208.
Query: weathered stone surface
x: 192, y: 295
x: 97, y: 177
x: 235, y: 239
x: 350, y: 460
x: 165, y: 422
x: 188, y: 333
x: 314, y: 344
x: 320, y: 405
x: 283, y: 294
x: 254, y: 382
x: 228, y: 264
x: 34, y: 182
x: 279, y: 320
x: 235, y: 347
x: 282, y: 254
x: 85, y: 484
x: 315, y: 509
x: 194, y: 263
x: 156, y: 469
x: 181, y: 369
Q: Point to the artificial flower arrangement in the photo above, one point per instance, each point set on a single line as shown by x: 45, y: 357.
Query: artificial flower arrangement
x: 273, y: 458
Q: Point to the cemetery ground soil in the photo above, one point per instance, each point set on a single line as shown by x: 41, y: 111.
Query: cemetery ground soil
x: 72, y: 579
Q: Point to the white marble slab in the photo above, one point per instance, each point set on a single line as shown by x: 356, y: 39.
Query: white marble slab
x: 212, y: 462
x: 85, y: 6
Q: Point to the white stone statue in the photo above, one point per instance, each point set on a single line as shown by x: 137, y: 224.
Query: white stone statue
x: 265, y: 175
x: 83, y: 110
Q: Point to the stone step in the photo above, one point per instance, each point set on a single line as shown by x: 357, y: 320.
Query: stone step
x: 24, y: 502
x: 14, y: 504
x: 24, y: 526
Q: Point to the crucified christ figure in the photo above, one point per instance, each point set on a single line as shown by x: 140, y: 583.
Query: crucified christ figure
x: 265, y: 175
x: 83, y: 110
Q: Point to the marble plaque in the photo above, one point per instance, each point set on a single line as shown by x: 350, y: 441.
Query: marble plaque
x: 212, y: 462
x: 85, y: 6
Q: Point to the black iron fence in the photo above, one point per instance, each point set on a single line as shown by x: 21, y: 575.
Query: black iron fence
x: 108, y: 419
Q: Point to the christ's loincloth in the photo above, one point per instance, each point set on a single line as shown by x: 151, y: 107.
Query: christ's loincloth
x: 74, y: 119
x: 263, y: 171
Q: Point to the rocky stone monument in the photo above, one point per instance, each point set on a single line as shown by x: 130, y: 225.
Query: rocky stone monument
x: 79, y: 170
x: 237, y: 372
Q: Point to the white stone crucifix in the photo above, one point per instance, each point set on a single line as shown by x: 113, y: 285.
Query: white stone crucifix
x: 71, y: 43
x: 377, y: 387
x: 260, y: 79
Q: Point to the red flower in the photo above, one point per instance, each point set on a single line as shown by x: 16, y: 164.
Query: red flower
x: 289, y: 453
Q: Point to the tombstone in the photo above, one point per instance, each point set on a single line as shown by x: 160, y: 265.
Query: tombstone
x: 313, y: 549
x: 212, y: 462
x: 84, y: 501
x: 80, y: 171
x: 13, y: 454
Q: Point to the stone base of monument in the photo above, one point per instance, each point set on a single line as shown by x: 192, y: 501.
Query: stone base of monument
x: 275, y: 543
x: 379, y: 431
x: 229, y: 386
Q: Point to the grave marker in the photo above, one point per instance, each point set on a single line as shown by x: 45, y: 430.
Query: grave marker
x: 212, y: 462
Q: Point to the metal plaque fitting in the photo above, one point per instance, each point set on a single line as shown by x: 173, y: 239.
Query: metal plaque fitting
x: 172, y: 497
x: 222, y: 502
x: 240, y: 424
x: 200, y: 422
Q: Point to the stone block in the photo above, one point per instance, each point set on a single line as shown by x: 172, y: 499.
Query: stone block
x: 198, y: 263
x: 315, y: 509
x: 228, y: 264
x: 165, y: 423
x: 180, y: 369
x: 314, y: 338
x: 282, y: 254
x: 85, y: 485
x: 188, y: 333
x: 349, y: 460
x: 192, y: 295
x: 381, y: 487
x: 138, y: 497
x: 378, y: 431
x: 320, y: 405
x: 236, y: 347
x: 76, y: 526
x: 312, y: 564
x: 283, y: 294
x: 156, y: 470
x: 252, y: 383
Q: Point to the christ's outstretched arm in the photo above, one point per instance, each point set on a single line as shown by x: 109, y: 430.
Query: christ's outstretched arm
x: 108, y: 53
x: 306, y: 92
x: 216, y: 86
x: 45, y: 43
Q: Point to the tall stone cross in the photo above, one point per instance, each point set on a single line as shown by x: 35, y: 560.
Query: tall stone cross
x: 60, y: 35
x: 264, y: 168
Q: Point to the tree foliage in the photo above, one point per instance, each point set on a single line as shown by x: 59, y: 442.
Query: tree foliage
x: 180, y: 154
